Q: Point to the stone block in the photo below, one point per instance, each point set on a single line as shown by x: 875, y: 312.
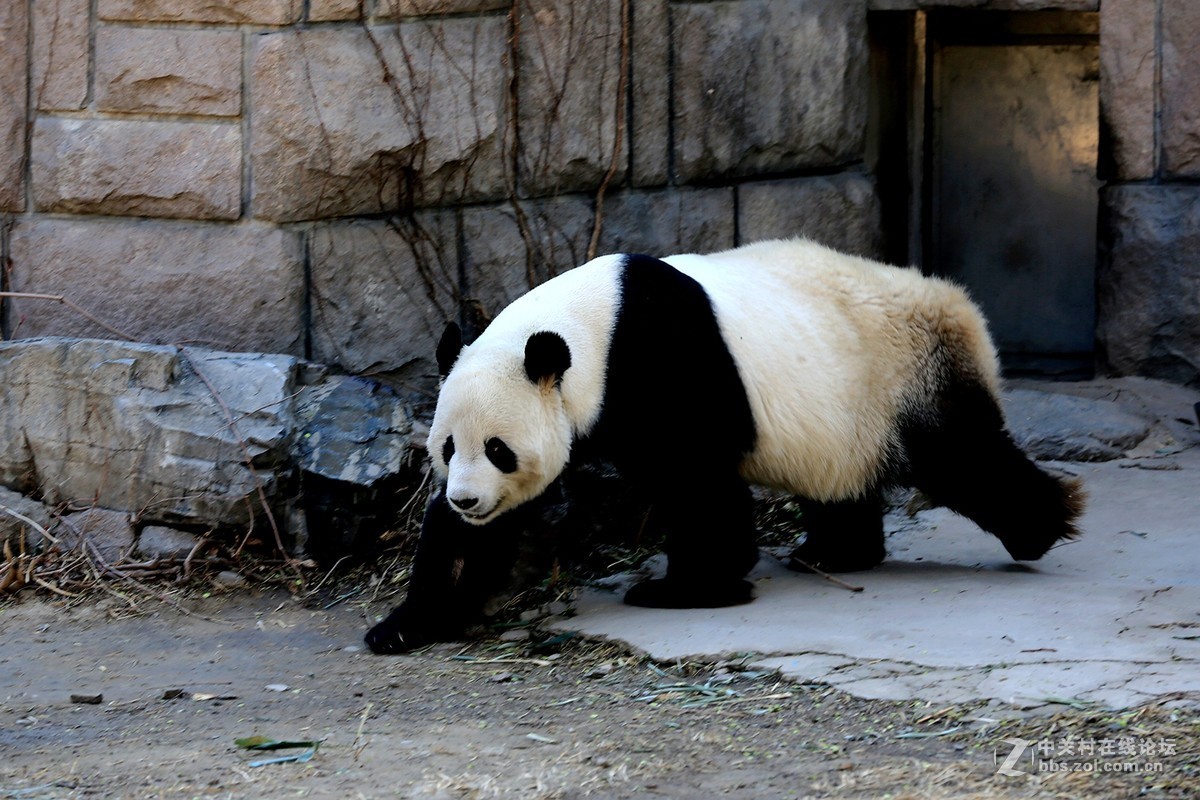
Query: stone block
x: 363, y: 120
x: 569, y: 94
x: 1148, y: 295
x: 158, y: 541
x: 1180, y: 89
x: 989, y: 5
x: 668, y: 221
x: 382, y: 292
x: 137, y: 168
x: 96, y: 532
x: 151, y: 70
x: 246, y: 12
x: 650, y: 115
x: 133, y: 427
x: 14, y: 76
x: 508, y: 249
x: 328, y: 10
x: 764, y: 86
x: 60, y: 54
x: 237, y: 288
x: 840, y: 211
x: 1127, y: 66
x: 391, y: 9
x: 14, y: 530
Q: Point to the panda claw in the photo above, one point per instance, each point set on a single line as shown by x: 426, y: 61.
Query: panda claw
x: 668, y: 593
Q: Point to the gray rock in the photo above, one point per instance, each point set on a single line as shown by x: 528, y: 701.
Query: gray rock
x: 60, y: 54
x: 1148, y: 290
x: 147, y: 70
x: 134, y: 426
x: 262, y: 12
x: 109, y: 532
x: 1180, y: 93
x: 14, y: 73
x: 668, y: 221
x: 1127, y: 87
x: 730, y: 120
x: 13, y: 529
x: 840, y: 211
x: 352, y: 430
x: 156, y: 541
x: 1061, y: 427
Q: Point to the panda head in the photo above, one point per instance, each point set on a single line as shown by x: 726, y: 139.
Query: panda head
x: 500, y: 434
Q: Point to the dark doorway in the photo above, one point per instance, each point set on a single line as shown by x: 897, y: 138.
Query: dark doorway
x: 997, y: 176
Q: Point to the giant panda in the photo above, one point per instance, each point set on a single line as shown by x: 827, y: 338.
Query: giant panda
x: 783, y: 363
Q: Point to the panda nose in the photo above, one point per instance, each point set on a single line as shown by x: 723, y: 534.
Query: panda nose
x: 465, y: 503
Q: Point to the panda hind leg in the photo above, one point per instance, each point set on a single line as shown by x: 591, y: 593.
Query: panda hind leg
x: 843, y: 536
x: 970, y: 464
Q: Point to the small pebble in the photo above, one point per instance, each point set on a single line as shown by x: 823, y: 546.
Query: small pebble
x: 88, y: 699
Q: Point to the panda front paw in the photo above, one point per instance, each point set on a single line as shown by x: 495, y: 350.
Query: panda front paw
x: 400, y: 632
x: 673, y: 593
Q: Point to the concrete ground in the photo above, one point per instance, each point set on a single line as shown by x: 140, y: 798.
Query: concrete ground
x: 1112, y: 618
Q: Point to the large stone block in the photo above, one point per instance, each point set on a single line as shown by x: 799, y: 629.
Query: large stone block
x: 650, y: 112
x: 1127, y: 65
x: 570, y: 94
x: 841, y: 211
x: 60, y: 54
x: 1148, y: 297
x: 138, y: 168
x: 390, y: 9
x: 989, y: 5
x: 510, y: 248
x: 1181, y: 88
x: 382, y: 292
x: 149, y: 70
x: 326, y: 10
x: 668, y: 221
x: 133, y: 427
x: 354, y: 121
x: 14, y: 77
x: 764, y: 86
x: 250, y: 12
x: 237, y: 288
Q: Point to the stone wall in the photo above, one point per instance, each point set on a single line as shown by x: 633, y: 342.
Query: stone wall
x: 1149, y: 277
x: 336, y: 179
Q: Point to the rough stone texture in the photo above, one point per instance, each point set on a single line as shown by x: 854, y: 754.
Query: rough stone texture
x: 356, y: 431
x: 137, y: 168
x: 110, y: 533
x: 13, y: 529
x: 569, y: 64
x: 260, y: 12
x: 325, y: 10
x: 131, y: 426
x: 150, y: 70
x: 1127, y: 66
x: 1181, y: 88
x: 332, y: 134
x: 157, y: 541
x: 60, y: 54
x: 991, y: 5
x: 238, y: 288
x: 14, y: 32
x: 731, y: 119
x: 649, y: 129
x: 1148, y: 296
x: 1060, y: 427
x: 669, y: 221
x: 390, y: 9
x: 841, y: 212
x: 507, y: 251
x: 381, y: 294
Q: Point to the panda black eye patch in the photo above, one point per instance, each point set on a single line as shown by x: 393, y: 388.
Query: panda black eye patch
x: 448, y: 450
x: 503, y: 458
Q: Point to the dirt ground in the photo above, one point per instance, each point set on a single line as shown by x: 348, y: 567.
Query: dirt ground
x: 517, y: 713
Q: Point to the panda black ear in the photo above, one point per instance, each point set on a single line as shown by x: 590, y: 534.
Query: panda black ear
x: 449, y: 346
x: 547, y: 357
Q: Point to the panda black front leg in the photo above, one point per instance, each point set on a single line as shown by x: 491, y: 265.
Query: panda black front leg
x: 710, y: 546
x: 842, y: 536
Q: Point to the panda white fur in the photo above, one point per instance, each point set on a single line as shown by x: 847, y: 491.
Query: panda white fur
x: 784, y: 364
